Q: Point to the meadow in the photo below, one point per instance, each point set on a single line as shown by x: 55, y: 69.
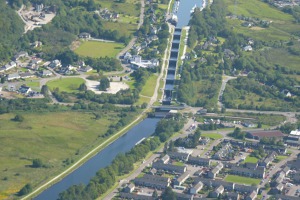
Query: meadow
x: 69, y: 85
x: 55, y: 138
x: 97, y: 49
x: 214, y: 136
x: 149, y: 87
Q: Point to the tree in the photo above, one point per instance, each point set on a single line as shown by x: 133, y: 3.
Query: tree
x: 104, y: 83
x: 259, y: 125
x: 168, y: 194
x: 18, y: 118
x: 37, y: 163
x: 45, y: 90
x: 155, y: 194
x: 2, y: 79
x: 82, y: 87
x: 25, y: 190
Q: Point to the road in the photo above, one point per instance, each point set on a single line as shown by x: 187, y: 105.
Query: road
x: 276, y: 168
x: 225, y: 79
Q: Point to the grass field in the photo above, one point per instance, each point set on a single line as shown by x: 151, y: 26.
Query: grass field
x: 242, y: 180
x: 51, y: 137
x: 69, y: 85
x: 128, y: 8
x: 96, y: 49
x: 214, y: 136
x: 250, y: 159
x: 149, y: 87
x: 124, y: 29
x: 282, y: 25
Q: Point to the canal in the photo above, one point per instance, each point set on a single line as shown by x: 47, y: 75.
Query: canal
x: 88, y: 170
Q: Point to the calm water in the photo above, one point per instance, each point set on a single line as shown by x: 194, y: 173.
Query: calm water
x: 184, y: 11
x: 85, y: 172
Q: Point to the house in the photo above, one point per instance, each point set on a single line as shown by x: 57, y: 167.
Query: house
x: 169, y: 168
x: 285, y: 197
x: 279, y: 178
x: 129, y: 188
x: 215, y: 183
x: 13, y: 76
x: 278, y: 189
x: 24, y: 89
x: 251, y: 196
x: 248, y: 48
x: 178, y: 156
x: 286, y: 93
x: 286, y: 170
x: 37, y: 44
x: 292, y: 140
x: 165, y: 159
x: 248, y: 124
x: 84, y: 35
x: 152, y: 181
x: 254, y: 173
x: 252, y: 166
x: 9, y: 66
x: 133, y: 196
x: 39, y: 7
x: 86, y: 68
x: 196, y: 188
x: 268, y: 159
x: 127, y: 56
x: 181, y: 179
x: 294, y: 164
x: 199, y: 161
x: 204, y: 140
x: 295, y: 132
x: 26, y: 75
x: 55, y: 64
x: 232, y: 196
x: 19, y: 55
x: 217, y: 192
x: 224, y: 152
x: 267, y: 134
x: 46, y: 73
x: 181, y: 196
x: 215, y: 171
x: 247, y: 24
x: 245, y: 188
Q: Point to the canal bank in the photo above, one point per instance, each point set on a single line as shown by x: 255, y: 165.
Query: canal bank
x: 86, y: 171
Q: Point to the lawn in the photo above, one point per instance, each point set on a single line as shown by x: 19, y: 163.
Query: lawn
x: 52, y: 137
x: 149, y: 87
x: 178, y: 163
x: 214, y: 136
x: 97, y: 49
x: 250, y: 159
x: 130, y: 7
x: 69, y: 85
x: 241, y: 179
x: 124, y: 29
x: 279, y: 158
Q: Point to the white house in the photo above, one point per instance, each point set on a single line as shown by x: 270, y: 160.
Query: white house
x: 13, y: 76
x: 248, y: 48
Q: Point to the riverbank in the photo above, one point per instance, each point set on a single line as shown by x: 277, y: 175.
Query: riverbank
x: 86, y: 157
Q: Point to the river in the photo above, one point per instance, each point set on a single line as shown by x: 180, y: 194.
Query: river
x: 86, y: 171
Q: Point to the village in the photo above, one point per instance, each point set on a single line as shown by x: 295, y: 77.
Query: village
x: 222, y: 167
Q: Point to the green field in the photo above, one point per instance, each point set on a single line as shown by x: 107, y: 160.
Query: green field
x: 128, y: 8
x: 149, y: 87
x: 250, y: 159
x: 124, y: 29
x: 96, y: 49
x: 214, y: 136
x: 242, y: 180
x: 52, y: 137
x: 282, y: 25
x: 69, y: 85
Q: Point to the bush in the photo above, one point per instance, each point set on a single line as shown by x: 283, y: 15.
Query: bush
x: 18, y: 118
x: 25, y: 190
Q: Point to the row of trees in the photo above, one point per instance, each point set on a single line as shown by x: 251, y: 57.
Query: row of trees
x: 122, y: 164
